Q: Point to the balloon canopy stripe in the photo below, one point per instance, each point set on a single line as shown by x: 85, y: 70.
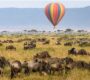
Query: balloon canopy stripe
x: 47, y: 12
x: 59, y: 13
x: 55, y: 12
x: 51, y: 13
x: 62, y: 12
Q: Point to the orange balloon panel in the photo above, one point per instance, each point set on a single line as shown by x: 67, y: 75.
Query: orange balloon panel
x: 55, y: 12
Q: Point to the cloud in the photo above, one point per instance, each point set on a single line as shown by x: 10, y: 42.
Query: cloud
x: 42, y: 3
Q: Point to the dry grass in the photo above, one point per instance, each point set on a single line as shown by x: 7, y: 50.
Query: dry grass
x: 54, y: 50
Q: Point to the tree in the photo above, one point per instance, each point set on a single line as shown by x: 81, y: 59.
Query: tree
x: 34, y: 30
x: 80, y: 31
x: 68, y: 30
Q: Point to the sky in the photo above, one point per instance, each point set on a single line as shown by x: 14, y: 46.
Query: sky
x: 42, y: 3
x: 15, y: 18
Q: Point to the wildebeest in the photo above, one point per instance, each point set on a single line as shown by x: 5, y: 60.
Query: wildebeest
x: 8, y: 41
x: 46, y: 42
x: 58, y: 43
x: 82, y: 52
x: 82, y: 64
x: 42, y: 39
x: 67, y: 60
x: 10, y: 47
x: 55, y: 67
x: 29, y: 45
x: 15, y: 67
x: 26, y: 43
x: 68, y: 44
x: 3, y: 63
x: 42, y: 55
x: 60, y: 64
x: 68, y: 63
x: 84, y: 43
x: 78, y: 52
x: 73, y: 51
x: 36, y: 66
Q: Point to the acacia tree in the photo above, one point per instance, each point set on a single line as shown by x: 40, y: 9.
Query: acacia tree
x: 68, y: 30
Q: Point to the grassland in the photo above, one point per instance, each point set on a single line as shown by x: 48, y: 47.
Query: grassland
x: 54, y: 50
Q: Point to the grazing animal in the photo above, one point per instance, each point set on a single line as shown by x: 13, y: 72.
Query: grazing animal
x: 42, y: 39
x: 73, y: 51
x: 3, y: 62
x: 82, y: 52
x: 68, y: 44
x: 46, y: 42
x: 84, y: 44
x: 10, y: 47
x: 30, y: 45
x: 55, y: 67
x: 67, y: 64
x: 26, y: 43
x: 35, y: 66
x: 58, y: 43
x: 42, y: 55
x: 16, y: 68
x: 82, y: 64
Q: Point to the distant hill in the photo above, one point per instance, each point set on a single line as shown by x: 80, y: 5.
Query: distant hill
x: 73, y: 18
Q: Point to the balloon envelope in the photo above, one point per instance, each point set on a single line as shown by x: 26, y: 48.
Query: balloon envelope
x: 55, y: 12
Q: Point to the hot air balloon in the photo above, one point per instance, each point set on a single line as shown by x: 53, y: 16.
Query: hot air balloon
x: 55, y: 12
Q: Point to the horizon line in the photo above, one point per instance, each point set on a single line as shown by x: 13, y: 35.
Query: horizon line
x: 43, y: 7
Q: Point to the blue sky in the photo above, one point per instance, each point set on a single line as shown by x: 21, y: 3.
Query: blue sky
x: 16, y: 20
x: 42, y: 3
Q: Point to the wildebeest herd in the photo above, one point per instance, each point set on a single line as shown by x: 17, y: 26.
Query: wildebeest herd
x: 30, y: 43
x: 42, y: 62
